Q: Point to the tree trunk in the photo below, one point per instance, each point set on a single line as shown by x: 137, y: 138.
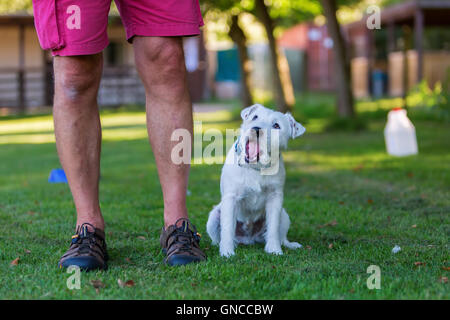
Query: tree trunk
x: 284, y: 93
x: 342, y: 64
x: 239, y: 38
x: 405, y: 70
x: 21, y: 72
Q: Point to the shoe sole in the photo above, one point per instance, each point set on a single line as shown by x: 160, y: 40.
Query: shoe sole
x: 84, y: 263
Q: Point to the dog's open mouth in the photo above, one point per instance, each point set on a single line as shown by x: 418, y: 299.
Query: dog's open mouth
x: 252, y: 151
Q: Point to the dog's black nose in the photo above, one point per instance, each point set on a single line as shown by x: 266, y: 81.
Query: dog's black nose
x: 256, y: 129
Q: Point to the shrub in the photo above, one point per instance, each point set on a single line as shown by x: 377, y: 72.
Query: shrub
x: 346, y: 124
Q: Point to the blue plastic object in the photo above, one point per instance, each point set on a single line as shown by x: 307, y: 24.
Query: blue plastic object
x: 379, y: 83
x: 228, y: 65
x: 57, y: 176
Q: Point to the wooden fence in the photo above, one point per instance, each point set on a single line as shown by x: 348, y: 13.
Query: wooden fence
x: 19, y: 89
x: 33, y: 87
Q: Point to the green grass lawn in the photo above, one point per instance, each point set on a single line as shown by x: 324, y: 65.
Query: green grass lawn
x: 376, y: 201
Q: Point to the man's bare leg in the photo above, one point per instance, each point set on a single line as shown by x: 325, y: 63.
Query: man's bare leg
x: 160, y: 63
x: 78, y: 131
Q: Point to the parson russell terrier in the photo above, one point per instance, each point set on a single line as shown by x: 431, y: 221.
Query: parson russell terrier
x: 251, y: 208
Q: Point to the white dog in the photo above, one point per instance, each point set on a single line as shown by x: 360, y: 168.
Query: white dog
x: 251, y: 209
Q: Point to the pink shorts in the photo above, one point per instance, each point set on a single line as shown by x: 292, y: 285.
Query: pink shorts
x: 78, y: 27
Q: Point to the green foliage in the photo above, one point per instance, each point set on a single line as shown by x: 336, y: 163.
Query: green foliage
x: 431, y: 103
x: 284, y: 12
x: 386, y: 3
x: 423, y: 96
x: 444, y: 101
x: 14, y: 6
x: 221, y: 5
x: 357, y: 123
x: 287, y: 12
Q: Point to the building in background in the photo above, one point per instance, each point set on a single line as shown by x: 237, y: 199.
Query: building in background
x: 417, y: 30
x: 413, y: 44
x: 26, y: 71
x: 309, y: 51
x: 225, y: 71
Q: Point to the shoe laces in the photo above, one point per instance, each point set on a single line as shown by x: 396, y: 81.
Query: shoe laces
x: 185, y: 235
x: 84, y: 238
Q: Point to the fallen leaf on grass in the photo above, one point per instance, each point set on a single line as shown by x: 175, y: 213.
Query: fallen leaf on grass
x: 418, y: 263
x: 97, y: 284
x: 330, y: 246
x: 27, y: 251
x: 414, y: 226
x: 141, y: 237
x: 446, y: 268
x: 128, y: 283
x: 443, y: 279
x: 308, y: 247
x: 341, y: 202
x: 15, y: 262
x: 31, y: 213
x: 410, y: 174
x: 128, y: 260
x: 369, y: 201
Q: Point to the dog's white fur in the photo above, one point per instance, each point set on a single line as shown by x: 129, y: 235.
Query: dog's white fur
x: 249, y: 198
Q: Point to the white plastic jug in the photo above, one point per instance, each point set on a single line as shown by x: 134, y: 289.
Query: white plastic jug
x: 400, y: 134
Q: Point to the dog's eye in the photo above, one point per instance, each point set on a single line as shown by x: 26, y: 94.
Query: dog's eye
x: 276, y: 126
x: 255, y: 117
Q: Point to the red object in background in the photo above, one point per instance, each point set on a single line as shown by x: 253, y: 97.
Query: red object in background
x: 315, y: 41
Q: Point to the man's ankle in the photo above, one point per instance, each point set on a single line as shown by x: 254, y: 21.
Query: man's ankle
x: 98, y: 224
x: 171, y: 219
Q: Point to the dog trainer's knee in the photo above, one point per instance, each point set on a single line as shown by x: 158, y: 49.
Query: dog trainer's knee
x: 161, y: 63
x: 77, y: 78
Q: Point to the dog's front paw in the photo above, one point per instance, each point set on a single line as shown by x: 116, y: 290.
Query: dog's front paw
x: 273, y: 248
x: 292, y: 245
x: 226, y: 250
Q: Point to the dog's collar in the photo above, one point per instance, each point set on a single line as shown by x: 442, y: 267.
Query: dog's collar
x: 237, y: 146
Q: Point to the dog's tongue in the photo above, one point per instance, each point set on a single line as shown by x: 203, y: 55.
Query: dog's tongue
x: 253, y: 149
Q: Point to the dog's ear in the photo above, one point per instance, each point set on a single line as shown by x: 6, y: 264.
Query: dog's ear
x: 245, y: 113
x: 296, y: 128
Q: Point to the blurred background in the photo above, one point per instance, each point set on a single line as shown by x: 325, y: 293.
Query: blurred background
x: 320, y: 54
x: 339, y: 66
